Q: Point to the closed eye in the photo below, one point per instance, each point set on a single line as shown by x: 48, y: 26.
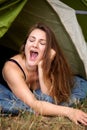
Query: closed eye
x: 43, y: 43
x: 31, y: 39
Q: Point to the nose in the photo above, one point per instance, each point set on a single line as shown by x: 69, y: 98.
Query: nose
x: 35, y: 44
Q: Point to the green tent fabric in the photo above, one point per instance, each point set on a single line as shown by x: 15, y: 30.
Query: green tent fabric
x: 32, y: 12
x: 8, y: 12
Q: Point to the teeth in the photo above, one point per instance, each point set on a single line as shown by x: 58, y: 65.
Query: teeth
x: 33, y: 54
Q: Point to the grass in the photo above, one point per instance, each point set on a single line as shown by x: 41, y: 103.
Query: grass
x: 27, y: 121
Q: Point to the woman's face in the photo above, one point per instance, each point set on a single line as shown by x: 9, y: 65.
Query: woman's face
x: 35, y: 47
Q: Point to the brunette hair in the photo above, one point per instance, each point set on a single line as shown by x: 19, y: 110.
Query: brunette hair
x: 58, y: 71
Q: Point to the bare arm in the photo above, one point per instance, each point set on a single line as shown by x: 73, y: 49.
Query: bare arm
x: 73, y: 114
x: 16, y: 82
x: 43, y: 84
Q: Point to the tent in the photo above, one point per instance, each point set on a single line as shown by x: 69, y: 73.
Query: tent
x: 16, y: 16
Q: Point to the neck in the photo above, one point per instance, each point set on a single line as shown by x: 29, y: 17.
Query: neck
x: 31, y: 68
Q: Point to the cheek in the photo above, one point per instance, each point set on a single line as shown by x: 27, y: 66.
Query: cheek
x: 27, y: 45
x: 26, y: 49
x: 43, y: 52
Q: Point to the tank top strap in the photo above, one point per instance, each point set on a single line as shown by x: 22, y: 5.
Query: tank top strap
x: 18, y: 66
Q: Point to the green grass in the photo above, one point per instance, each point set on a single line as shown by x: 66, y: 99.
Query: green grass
x: 26, y: 121
x: 32, y: 122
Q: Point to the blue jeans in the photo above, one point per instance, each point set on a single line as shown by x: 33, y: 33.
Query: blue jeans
x: 78, y: 92
x: 10, y: 104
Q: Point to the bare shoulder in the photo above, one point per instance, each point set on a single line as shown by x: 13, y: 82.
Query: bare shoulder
x: 7, y: 66
x: 10, y: 69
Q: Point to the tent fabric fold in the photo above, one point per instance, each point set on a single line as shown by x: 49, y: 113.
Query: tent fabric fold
x: 8, y: 12
x: 84, y: 2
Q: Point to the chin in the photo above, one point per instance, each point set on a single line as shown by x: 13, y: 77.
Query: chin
x: 32, y: 64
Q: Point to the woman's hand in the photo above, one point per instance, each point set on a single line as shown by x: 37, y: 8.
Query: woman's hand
x: 44, y: 84
x: 77, y: 116
x: 52, y: 55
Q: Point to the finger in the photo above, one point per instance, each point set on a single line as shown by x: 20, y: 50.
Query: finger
x: 79, y: 123
x: 82, y: 121
x: 53, y: 53
x: 85, y: 115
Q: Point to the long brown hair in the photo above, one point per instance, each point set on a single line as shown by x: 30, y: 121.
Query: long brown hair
x: 58, y: 71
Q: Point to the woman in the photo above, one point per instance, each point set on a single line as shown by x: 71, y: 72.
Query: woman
x: 40, y: 80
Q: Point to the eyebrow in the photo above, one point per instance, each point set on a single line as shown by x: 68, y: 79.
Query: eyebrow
x: 35, y: 38
x: 32, y: 37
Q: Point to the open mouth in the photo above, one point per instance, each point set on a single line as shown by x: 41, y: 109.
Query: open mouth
x: 33, y: 55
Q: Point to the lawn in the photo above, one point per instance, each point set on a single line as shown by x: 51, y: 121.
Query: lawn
x: 27, y: 121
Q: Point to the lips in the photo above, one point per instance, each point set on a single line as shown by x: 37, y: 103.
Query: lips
x: 33, y: 55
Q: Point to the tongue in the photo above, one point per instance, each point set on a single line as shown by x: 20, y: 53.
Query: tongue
x: 33, y: 55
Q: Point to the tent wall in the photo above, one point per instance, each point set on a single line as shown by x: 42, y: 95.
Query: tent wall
x: 79, y: 5
x: 35, y: 11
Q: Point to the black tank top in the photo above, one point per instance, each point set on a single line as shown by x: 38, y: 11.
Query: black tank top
x: 18, y: 66
x: 12, y: 60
